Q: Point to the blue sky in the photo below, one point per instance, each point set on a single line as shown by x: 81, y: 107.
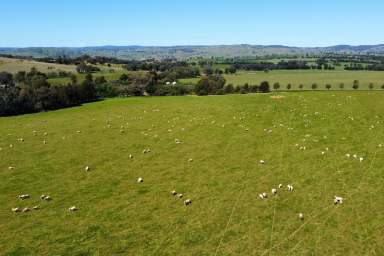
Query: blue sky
x: 190, y: 22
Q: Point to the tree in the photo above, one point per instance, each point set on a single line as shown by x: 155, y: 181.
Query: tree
x: 124, y: 77
x: 228, y: 88
x: 6, y: 79
x: 328, y: 86
x: 210, y: 85
x: 289, y: 86
x: 382, y: 87
x: 301, y: 86
x: 314, y: 86
x: 264, y: 87
x: 276, y: 86
x: 341, y: 86
x: 355, y: 84
x: 371, y: 86
x: 100, y: 80
x: 73, y: 79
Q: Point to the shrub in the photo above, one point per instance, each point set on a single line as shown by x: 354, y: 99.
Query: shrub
x: 276, y: 86
x: 289, y: 86
x: 371, y: 86
x: 314, y: 86
x: 341, y: 86
x: 328, y: 86
x: 355, y: 84
x: 264, y: 87
x: 301, y: 86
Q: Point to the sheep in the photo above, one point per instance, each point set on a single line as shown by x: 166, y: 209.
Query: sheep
x: 45, y: 134
x: 354, y: 156
x: 23, y: 197
x: 44, y: 142
x: 348, y: 155
x: 188, y: 202
x: 173, y: 192
x: 11, y: 168
x: 262, y: 162
x: 78, y: 131
x: 301, y: 216
x: 15, y: 210
x: 180, y: 195
x: 140, y: 180
x: 26, y: 209
x: 45, y: 197
x: 11, y: 145
x: 361, y: 159
x: 190, y: 160
x: 72, y: 209
x: 280, y: 185
x: 130, y: 156
x: 20, y: 139
x: 177, y: 141
x: 87, y: 168
x: 337, y: 200
x: 290, y: 188
x: 261, y: 196
x: 36, y: 207
x: 274, y: 191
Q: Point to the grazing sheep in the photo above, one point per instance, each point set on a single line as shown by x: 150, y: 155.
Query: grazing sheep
x: 280, y: 185
x: 130, y: 156
x: 36, y: 207
x: 45, y: 142
x: 274, y: 191
x: 322, y: 152
x: 45, y: 197
x: 338, y: 200
x: 301, y: 216
x: 190, y: 160
x: 78, y: 131
x: 15, y: 210
x: 354, y: 156
x: 361, y: 159
x: 262, y: 162
x: 26, y: 209
x: 261, y: 196
x: 348, y: 155
x: 87, y: 169
x: 188, y: 202
x: 177, y: 141
x: 11, y: 168
x: 173, y: 192
x: 290, y: 188
x: 140, y: 180
x: 72, y: 209
x: 180, y: 195
x: 20, y: 139
x: 22, y: 197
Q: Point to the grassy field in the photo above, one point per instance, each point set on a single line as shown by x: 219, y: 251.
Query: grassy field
x: 305, y: 77
x: 226, y: 136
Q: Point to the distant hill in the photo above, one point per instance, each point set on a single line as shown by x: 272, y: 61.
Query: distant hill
x: 181, y: 52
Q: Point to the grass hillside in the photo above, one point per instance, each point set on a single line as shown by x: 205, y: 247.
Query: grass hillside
x: 14, y: 65
x: 216, y: 165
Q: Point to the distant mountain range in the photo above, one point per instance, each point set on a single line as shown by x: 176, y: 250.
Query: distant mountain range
x: 182, y: 52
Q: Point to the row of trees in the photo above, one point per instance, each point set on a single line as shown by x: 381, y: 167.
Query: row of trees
x: 315, y: 86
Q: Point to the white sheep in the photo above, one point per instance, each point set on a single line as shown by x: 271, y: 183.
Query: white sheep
x: 348, y: 155
x: 262, y: 162
x: 301, y: 216
x: 280, y: 185
x: 11, y: 168
x: 16, y: 209
x: 337, y: 200
x: 36, y: 207
x: 140, y: 180
x: 130, y: 156
x: 188, y: 202
x: 177, y: 141
x: 22, y: 197
x: 87, y: 168
x: 72, y: 209
x: 361, y: 159
x: 180, y: 195
x: 173, y: 192
x: 274, y: 191
x: 290, y: 188
x: 26, y: 209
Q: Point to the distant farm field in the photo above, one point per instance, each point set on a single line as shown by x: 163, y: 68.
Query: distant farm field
x: 305, y: 77
x: 15, y: 65
x: 208, y: 149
